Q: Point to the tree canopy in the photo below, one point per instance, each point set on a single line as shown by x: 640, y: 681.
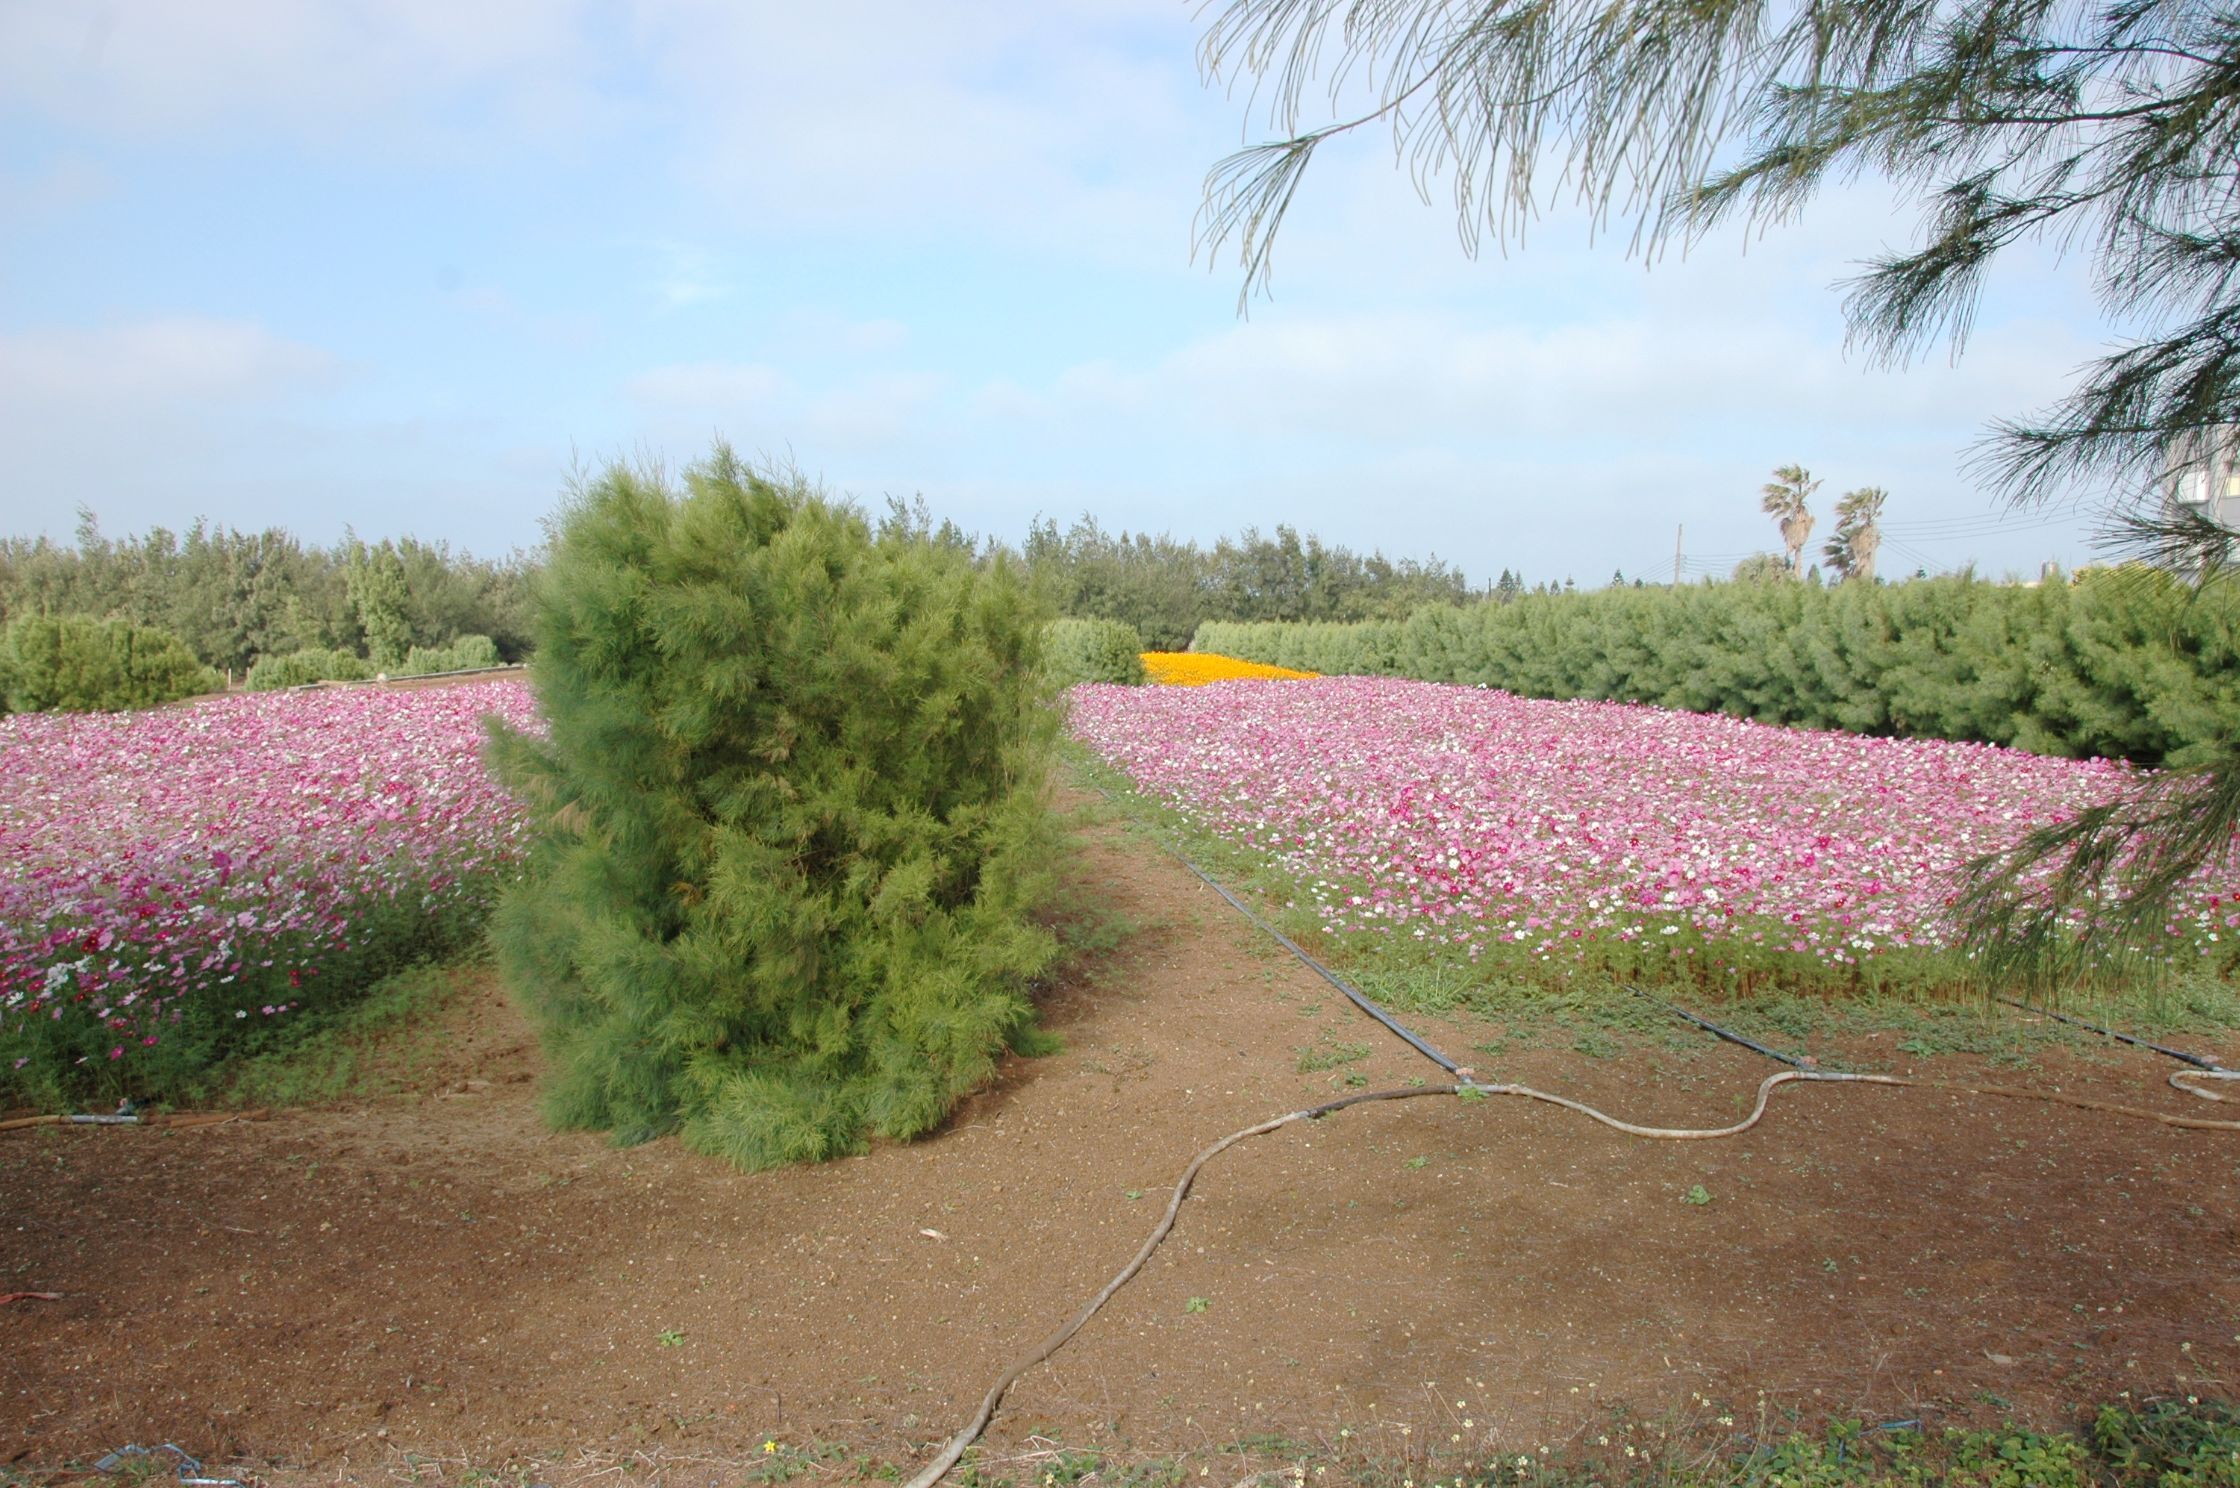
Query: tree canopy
x: 2110, y: 127
x: 2107, y: 127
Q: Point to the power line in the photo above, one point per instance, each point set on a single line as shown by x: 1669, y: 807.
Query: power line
x: 1976, y: 527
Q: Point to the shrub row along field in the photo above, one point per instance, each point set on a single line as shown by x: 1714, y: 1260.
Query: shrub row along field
x: 176, y: 884
x: 2122, y: 664
x: 1482, y: 824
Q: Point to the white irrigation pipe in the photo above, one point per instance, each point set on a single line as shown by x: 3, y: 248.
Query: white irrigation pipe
x: 935, y: 1470
x: 2178, y: 1080
x: 1468, y: 1087
x: 385, y: 680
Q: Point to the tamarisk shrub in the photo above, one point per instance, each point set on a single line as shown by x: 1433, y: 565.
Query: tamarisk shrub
x: 1093, y: 651
x: 793, y: 818
x: 296, y: 668
x: 80, y: 664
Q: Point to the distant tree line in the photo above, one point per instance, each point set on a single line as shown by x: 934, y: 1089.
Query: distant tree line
x: 2127, y: 663
x: 237, y: 597
x: 1167, y: 588
x: 232, y: 597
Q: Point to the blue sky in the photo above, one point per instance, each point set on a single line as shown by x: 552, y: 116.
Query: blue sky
x: 401, y: 265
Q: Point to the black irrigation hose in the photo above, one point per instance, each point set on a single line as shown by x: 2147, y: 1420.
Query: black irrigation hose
x: 1361, y: 999
x: 1468, y: 1086
x: 2198, y: 1061
x: 1792, y: 1060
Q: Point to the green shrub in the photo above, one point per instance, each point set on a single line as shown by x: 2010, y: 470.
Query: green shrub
x: 1092, y: 651
x: 791, y: 819
x: 299, y: 668
x: 1365, y: 648
x: 2125, y: 664
x: 465, y: 654
x: 76, y: 664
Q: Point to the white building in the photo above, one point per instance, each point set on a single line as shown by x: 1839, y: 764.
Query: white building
x: 2204, y: 473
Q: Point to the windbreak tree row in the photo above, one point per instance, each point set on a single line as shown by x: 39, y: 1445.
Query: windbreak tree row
x: 2126, y: 663
x: 1165, y: 587
x: 792, y: 818
x: 235, y: 598
x: 74, y: 664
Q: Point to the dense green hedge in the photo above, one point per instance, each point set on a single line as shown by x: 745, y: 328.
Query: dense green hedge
x: 299, y: 668
x: 792, y: 827
x: 2125, y: 663
x: 465, y: 654
x: 1092, y: 651
x: 76, y: 664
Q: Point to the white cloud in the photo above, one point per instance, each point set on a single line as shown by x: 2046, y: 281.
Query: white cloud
x: 179, y: 359
x: 879, y: 409
x: 1050, y: 124
x: 1411, y: 377
x: 707, y: 386
x: 140, y: 68
x: 1032, y: 124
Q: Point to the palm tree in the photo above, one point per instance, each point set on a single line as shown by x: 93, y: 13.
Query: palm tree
x: 1785, y: 497
x: 1858, y: 532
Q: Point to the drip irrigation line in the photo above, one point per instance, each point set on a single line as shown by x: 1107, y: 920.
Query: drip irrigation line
x: 2204, y: 1068
x: 189, y: 1468
x: 935, y: 1470
x: 1466, y: 1089
x: 132, y: 1118
x: 1469, y: 1089
x: 1794, y: 1061
x: 2178, y: 1079
x: 2083, y: 1102
x: 2198, y: 1061
x: 1359, y: 998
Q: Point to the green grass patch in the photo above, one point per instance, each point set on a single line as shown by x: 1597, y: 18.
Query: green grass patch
x: 2125, y: 1444
x: 1330, y: 1052
x: 363, y: 1048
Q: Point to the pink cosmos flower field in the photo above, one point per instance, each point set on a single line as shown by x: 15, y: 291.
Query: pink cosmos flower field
x: 1477, y: 819
x: 210, y: 862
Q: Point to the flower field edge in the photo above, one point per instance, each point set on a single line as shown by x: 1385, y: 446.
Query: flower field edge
x: 1509, y: 979
x: 190, y: 886
x: 1342, y: 853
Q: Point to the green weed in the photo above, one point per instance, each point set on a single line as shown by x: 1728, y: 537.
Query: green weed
x: 361, y: 1049
x: 1330, y: 1052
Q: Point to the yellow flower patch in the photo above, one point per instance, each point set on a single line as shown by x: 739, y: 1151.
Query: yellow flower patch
x: 1197, y: 668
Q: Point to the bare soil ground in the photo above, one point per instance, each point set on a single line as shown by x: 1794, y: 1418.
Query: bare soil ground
x: 329, y: 1293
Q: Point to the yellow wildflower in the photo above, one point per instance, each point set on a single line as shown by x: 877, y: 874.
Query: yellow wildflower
x: 1196, y: 668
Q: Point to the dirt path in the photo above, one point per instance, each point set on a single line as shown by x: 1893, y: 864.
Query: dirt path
x: 437, y: 1273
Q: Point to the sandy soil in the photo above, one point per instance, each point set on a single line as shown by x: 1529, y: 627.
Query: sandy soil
x: 435, y: 1274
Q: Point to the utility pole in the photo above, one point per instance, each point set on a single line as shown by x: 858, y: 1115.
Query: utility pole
x: 1677, y: 534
